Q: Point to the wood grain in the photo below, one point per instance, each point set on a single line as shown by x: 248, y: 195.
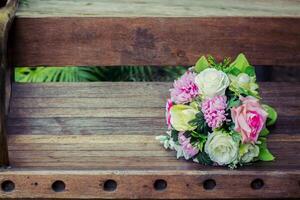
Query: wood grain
x: 7, y: 13
x: 157, y: 41
x: 157, y: 8
x: 139, y: 184
x: 50, y: 127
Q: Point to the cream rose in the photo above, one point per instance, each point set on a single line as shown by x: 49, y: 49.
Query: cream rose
x: 248, y: 152
x: 212, y: 82
x: 221, y: 148
x: 181, y: 115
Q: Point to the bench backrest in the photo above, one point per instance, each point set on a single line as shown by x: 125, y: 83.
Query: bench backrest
x: 121, y: 34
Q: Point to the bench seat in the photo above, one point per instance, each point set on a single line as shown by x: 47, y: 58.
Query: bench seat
x: 97, y: 140
x: 109, y: 129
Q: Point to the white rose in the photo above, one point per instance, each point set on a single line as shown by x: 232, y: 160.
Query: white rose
x: 248, y: 152
x: 212, y: 82
x: 221, y: 148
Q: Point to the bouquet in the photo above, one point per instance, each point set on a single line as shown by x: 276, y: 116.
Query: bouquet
x: 215, y: 116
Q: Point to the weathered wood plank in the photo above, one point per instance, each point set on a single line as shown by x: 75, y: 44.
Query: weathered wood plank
x: 157, y: 8
x: 123, y: 99
x: 93, y: 89
x: 89, y: 112
x: 158, y: 41
x: 124, y: 151
x: 131, y: 89
x: 110, y: 139
x: 140, y: 184
x: 104, y: 126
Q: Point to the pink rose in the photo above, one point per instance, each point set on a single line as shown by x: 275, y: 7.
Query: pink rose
x: 168, y: 114
x: 249, y: 118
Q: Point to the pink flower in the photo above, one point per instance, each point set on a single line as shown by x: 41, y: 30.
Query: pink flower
x: 184, y: 89
x: 186, y: 145
x: 214, y: 111
x: 249, y: 118
x: 168, y: 114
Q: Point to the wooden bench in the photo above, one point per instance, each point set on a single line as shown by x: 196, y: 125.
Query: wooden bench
x: 97, y: 140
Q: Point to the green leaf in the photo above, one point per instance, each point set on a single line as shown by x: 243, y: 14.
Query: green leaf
x: 272, y: 114
x: 174, y: 135
x: 265, y: 155
x: 264, y: 132
x: 232, y: 70
x: 233, y: 102
x: 201, y: 64
x: 250, y: 70
x: 236, y: 136
x: 201, y: 124
x: 240, y: 62
x: 203, y: 158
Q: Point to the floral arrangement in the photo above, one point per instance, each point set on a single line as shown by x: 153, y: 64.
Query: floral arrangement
x: 215, y: 117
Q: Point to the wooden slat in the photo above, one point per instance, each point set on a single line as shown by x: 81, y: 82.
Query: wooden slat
x: 104, y: 126
x: 140, y: 184
x: 47, y: 132
x: 131, y: 89
x: 110, y: 41
x: 155, y: 8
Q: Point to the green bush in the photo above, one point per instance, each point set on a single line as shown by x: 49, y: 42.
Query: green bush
x: 86, y: 74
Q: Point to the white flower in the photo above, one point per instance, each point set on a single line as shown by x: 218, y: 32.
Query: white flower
x: 181, y: 115
x: 221, y: 148
x: 248, y: 152
x: 244, y: 81
x: 212, y: 82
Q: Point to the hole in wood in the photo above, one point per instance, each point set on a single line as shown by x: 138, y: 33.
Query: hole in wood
x: 3, y: 3
x: 110, y: 185
x: 257, y: 184
x: 160, y: 185
x: 7, y: 186
x: 209, y: 184
x: 58, y: 186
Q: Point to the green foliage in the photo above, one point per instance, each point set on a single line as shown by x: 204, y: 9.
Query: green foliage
x: 204, y: 159
x: 55, y: 74
x: 219, y: 66
x: 240, y: 62
x: 272, y: 114
x: 240, y: 65
x: 201, y: 64
x: 234, y: 101
x: 264, y: 132
x: 201, y: 124
x: 264, y: 153
x: 174, y: 135
x: 84, y: 74
x: 236, y: 136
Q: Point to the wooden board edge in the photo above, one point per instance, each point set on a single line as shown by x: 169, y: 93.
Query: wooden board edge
x: 215, y: 184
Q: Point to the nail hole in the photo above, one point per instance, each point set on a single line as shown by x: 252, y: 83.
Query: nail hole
x: 160, y: 184
x: 58, y: 186
x: 7, y: 186
x: 257, y: 184
x: 110, y: 185
x: 209, y: 184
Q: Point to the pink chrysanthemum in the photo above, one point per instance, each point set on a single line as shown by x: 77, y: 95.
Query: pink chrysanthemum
x: 184, y: 89
x: 214, y: 111
x: 186, y: 145
x: 168, y: 114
